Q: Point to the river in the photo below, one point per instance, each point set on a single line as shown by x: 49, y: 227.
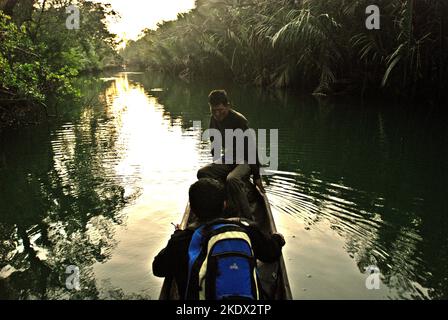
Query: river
x: 358, y: 187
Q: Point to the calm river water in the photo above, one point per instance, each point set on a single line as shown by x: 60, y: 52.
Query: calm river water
x: 356, y: 186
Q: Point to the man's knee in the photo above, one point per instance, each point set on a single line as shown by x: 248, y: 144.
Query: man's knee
x: 232, y: 180
x: 208, y: 171
x: 203, y: 173
x: 200, y: 173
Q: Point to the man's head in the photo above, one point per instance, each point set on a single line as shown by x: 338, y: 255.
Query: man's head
x: 219, y: 104
x: 207, y: 198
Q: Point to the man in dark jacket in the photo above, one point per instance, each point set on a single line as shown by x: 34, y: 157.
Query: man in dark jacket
x: 236, y: 168
x: 207, y: 201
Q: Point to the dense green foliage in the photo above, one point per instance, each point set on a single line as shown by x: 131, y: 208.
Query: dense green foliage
x: 319, y: 45
x: 39, y: 55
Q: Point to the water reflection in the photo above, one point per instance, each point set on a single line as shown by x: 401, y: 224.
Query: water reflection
x: 159, y: 160
x: 355, y: 186
x: 59, y: 206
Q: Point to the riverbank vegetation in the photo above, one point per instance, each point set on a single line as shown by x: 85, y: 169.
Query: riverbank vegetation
x: 40, y: 56
x: 318, y: 46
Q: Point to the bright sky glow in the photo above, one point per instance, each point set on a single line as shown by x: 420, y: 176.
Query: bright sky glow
x: 137, y: 15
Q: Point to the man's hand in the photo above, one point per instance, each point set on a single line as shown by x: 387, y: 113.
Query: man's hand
x: 259, y: 183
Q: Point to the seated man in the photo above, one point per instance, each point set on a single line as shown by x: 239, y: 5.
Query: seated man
x: 178, y: 258
x: 223, y: 118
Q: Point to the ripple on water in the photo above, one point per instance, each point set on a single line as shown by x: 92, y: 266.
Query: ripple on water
x: 312, y: 201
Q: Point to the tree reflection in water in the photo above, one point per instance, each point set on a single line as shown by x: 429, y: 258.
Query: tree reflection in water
x: 59, y: 206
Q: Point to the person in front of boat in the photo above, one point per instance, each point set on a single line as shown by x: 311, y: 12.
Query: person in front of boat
x: 207, y: 201
x: 224, y: 117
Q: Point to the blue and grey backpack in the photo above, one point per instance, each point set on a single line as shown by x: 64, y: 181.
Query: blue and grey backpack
x: 221, y: 264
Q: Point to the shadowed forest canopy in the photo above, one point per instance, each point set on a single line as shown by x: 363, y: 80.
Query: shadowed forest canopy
x: 39, y: 55
x: 318, y: 45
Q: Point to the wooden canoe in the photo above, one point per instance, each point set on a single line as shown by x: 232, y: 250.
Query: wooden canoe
x: 273, y: 276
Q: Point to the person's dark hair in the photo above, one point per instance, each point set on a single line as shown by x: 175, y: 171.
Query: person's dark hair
x: 207, y: 198
x: 217, y: 97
